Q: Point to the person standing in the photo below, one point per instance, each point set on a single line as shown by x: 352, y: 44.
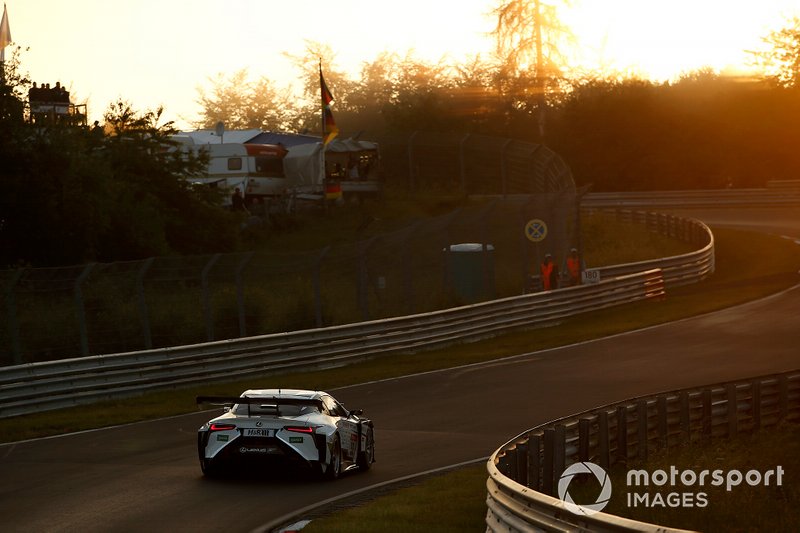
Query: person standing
x: 574, y: 267
x: 237, y: 201
x: 549, y: 273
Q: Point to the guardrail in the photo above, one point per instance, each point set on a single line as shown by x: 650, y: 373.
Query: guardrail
x: 524, y: 472
x: 775, y: 195
x: 35, y: 387
x: 680, y: 269
x: 40, y: 386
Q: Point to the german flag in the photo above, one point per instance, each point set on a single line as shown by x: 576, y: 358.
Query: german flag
x: 329, y: 128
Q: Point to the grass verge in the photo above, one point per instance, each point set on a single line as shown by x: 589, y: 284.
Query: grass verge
x: 738, y: 278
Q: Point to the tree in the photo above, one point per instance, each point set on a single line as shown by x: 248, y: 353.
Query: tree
x: 781, y: 62
x: 74, y: 195
x: 242, y: 103
x: 528, y: 38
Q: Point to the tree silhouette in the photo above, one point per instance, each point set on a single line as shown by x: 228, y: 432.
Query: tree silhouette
x: 782, y: 61
x: 242, y: 103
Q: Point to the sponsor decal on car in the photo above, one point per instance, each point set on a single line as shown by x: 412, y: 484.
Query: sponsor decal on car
x: 296, y: 440
x: 259, y: 432
x: 222, y: 438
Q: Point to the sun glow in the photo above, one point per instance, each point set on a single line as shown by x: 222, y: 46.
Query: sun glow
x: 157, y: 53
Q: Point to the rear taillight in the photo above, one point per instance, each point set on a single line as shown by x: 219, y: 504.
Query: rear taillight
x: 299, y: 429
x: 221, y: 427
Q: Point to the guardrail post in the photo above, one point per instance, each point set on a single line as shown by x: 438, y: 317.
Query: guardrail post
x: 207, y: 311
x: 783, y: 402
x: 686, y: 420
x: 755, y: 387
x: 511, y: 463
x: 602, y: 439
x: 80, y: 309
x: 144, y: 315
x: 663, y: 431
x: 547, y: 467
x: 11, y: 309
x: 534, y: 461
x: 522, y: 464
x: 733, y: 411
x: 559, y: 452
x: 707, y: 413
x: 583, y: 439
x: 622, y: 435
x: 318, y: 286
x: 641, y: 407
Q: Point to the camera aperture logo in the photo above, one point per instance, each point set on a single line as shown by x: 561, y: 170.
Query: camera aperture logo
x: 660, y: 479
x: 584, y: 468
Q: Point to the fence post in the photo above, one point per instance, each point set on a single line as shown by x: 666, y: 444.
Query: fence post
x: 462, y: 163
x: 504, y: 167
x: 318, y: 286
x: 240, y: 293
x: 363, y: 278
x: 11, y: 308
x: 81, y: 309
x: 412, y: 179
x: 207, y: 312
x: 144, y: 315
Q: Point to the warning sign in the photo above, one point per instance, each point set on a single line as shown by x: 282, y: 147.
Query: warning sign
x: 536, y: 230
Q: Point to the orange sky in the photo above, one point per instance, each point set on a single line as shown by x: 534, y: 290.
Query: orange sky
x: 157, y: 52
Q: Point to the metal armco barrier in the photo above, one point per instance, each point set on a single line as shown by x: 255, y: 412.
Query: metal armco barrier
x: 524, y: 472
x: 40, y: 386
x: 775, y: 195
x: 35, y: 387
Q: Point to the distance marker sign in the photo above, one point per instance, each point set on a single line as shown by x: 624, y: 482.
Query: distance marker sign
x: 536, y: 230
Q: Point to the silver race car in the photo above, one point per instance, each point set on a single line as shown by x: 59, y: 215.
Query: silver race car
x: 283, y: 426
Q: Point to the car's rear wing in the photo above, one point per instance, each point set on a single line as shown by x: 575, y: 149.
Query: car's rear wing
x: 258, y: 400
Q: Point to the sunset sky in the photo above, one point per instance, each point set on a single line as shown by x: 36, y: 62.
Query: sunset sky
x: 158, y: 52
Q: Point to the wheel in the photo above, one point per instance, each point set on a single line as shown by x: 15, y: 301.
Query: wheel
x: 209, y: 468
x: 334, y: 468
x: 367, y: 457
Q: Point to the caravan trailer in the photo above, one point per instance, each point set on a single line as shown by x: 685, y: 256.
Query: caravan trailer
x: 256, y: 169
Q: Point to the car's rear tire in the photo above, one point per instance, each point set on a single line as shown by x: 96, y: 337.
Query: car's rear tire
x: 209, y: 468
x: 367, y: 457
x: 334, y: 468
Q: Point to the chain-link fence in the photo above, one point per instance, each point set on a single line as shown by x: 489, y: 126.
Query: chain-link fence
x: 55, y: 313
x: 472, y: 164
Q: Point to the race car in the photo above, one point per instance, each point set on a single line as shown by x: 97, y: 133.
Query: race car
x: 285, y: 426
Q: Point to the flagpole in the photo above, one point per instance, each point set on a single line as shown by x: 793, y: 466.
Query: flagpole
x: 322, y: 144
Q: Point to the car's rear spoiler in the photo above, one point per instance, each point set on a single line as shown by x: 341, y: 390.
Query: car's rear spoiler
x: 258, y: 400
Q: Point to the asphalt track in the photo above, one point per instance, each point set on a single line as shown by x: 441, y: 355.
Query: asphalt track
x: 145, y: 476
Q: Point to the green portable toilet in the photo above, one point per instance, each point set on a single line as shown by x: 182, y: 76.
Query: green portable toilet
x: 470, y: 271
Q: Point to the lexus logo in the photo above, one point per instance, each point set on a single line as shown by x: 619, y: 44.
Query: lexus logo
x: 259, y: 424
